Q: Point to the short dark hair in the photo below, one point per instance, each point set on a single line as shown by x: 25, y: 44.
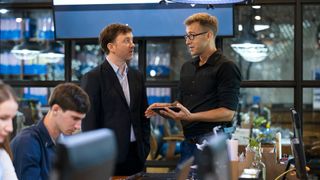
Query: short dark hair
x: 71, y: 97
x: 110, y: 33
x: 6, y: 93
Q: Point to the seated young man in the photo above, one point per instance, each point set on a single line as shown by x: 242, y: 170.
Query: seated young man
x: 33, y: 149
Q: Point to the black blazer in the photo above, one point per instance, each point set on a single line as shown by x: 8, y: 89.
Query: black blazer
x: 109, y: 108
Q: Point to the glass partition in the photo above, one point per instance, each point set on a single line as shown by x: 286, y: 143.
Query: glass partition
x: 86, y: 56
x: 266, y: 110
x: 311, y: 42
x: 311, y: 126
x: 311, y: 113
x: 263, y: 45
x: 28, y: 50
x: 165, y: 58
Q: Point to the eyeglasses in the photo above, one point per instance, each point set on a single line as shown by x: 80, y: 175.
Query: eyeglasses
x: 192, y: 36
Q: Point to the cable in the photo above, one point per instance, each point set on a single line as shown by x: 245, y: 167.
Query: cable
x: 277, y: 178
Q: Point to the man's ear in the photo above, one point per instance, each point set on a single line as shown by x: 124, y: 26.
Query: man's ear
x: 110, y: 47
x: 210, y: 34
x: 55, y: 108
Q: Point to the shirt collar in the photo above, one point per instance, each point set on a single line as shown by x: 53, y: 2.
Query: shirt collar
x: 46, y: 136
x: 211, y: 60
x: 117, y: 69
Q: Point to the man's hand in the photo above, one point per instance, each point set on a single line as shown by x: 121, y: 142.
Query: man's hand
x: 183, y: 114
x: 149, y: 113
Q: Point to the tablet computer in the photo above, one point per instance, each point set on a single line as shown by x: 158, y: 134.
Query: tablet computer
x: 158, y: 109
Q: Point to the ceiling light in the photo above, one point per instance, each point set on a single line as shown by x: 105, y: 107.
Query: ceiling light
x: 207, y: 1
x: 251, y: 52
x: 27, y: 50
x: 18, y: 20
x: 53, y: 54
x: 260, y: 27
x: 3, y: 11
x: 250, y: 49
x: 240, y: 27
x: 256, y: 7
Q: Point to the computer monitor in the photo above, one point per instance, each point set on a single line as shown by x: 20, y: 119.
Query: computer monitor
x: 213, y: 161
x: 86, y: 156
x: 78, y: 19
x: 297, y: 146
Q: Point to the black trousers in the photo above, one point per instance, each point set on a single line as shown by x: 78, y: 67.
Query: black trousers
x: 132, y: 164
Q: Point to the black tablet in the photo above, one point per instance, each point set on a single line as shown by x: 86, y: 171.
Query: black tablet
x: 158, y: 109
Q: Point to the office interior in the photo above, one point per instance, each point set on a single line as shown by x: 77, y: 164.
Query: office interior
x: 283, y: 71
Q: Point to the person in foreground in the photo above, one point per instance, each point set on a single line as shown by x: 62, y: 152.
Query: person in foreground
x: 34, y: 147
x: 8, y: 109
x: 208, y: 88
x: 118, y: 97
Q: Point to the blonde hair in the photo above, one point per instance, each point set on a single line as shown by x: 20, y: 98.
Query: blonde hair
x: 205, y: 20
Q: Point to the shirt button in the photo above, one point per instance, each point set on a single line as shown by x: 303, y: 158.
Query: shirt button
x: 192, y: 82
x: 191, y: 95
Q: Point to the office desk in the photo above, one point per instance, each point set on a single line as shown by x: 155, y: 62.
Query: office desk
x: 273, y: 169
x: 148, y: 176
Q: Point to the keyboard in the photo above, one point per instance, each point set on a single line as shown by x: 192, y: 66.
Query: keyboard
x: 159, y: 176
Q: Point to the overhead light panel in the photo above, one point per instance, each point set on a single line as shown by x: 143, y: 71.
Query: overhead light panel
x: 208, y: 1
x: 250, y: 49
x: 3, y: 11
x: 27, y: 50
x: 260, y: 27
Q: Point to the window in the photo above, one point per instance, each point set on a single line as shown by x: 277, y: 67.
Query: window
x: 28, y: 50
x: 271, y: 41
x: 311, y: 42
x: 88, y: 55
x: 165, y: 58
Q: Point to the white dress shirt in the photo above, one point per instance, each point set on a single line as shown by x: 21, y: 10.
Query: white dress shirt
x: 123, y: 79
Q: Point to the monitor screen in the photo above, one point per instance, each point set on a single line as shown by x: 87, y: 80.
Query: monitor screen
x: 297, y: 146
x: 85, y: 19
x: 86, y: 156
x: 213, y: 161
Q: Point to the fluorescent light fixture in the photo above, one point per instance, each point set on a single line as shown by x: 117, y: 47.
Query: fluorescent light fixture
x: 207, y: 1
x: 256, y: 7
x: 260, y: 27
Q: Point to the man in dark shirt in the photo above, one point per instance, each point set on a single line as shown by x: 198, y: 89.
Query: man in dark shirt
x: 34, y: 147
x: 209, y: 85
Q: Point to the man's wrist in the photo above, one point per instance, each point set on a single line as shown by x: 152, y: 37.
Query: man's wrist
x: 191, y: 117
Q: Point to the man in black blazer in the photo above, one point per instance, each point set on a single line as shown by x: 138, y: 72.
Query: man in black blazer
x: 118, y: 97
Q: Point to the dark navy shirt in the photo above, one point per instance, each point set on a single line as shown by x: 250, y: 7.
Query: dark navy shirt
x: 33, y: 151
x: 210, y: 86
